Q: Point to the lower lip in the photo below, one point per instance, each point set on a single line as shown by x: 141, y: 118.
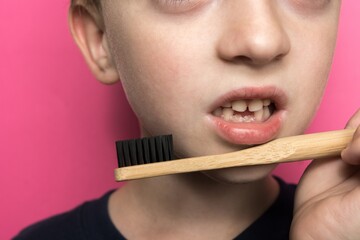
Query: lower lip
x: 249, y: 133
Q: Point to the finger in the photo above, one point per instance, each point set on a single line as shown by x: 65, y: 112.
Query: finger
x: 331, y: 172
x: 351, y: 154
x: 354, y: 121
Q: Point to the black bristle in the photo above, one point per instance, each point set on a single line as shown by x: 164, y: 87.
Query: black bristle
x: 170, y: 144
x: 153, y: 157
x: 166, y: 147
x: 144, y: 150
x: 133, y: 152
x: 126, y: 150
x: 159, y: 150
x: 120, y: 153
x: 139, y: 149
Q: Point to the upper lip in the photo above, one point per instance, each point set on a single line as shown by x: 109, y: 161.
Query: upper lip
x: 275, y: 94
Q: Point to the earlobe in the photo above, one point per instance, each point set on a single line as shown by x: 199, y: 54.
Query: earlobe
x: 92, y: 42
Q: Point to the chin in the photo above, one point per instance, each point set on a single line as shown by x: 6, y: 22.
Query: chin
x: 241, y: 175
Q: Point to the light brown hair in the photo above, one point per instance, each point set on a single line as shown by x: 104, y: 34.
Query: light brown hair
x: 90, y: 3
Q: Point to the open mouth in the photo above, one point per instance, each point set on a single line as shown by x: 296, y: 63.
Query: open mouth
x: 246, y: 110
x: 251, y: 115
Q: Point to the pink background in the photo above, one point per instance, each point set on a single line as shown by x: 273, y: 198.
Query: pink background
x: 58, y: 124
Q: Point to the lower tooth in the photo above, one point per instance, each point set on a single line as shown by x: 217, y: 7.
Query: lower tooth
x: 259, y: 115
x: 266, y: 114
x: 228, y: 114
x: 248, y: 119
x: 243, y: 119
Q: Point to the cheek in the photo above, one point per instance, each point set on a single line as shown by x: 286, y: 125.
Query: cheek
x: 158, y: 77
x: 162, y: 78
x: 310, y: 74
x: 308, y: 65
x: 313, y: 45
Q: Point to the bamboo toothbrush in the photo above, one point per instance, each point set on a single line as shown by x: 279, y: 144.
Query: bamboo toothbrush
x: 150, y: 157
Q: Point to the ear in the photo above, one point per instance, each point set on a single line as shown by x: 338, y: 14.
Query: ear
x: 85, y: 26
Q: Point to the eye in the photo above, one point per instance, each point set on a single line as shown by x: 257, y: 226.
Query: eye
x: 175, y: 1
x: 179, y: 6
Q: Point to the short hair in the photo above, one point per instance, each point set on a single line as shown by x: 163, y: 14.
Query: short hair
x: 90, y: 3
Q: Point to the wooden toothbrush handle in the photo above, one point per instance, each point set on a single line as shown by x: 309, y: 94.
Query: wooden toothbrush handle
x: 309, y: 146
x: 288, y: 149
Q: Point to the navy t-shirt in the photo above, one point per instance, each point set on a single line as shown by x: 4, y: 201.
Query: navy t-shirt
x: 91, y: 221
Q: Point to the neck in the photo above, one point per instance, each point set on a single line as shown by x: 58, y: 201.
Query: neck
x: 189, y: 199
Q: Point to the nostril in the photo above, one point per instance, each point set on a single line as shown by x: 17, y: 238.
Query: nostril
x: 243, y: 59
x: 279, y: 57
x: 256, y: 61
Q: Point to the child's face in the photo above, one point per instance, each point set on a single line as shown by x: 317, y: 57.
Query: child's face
x: 178, y: 59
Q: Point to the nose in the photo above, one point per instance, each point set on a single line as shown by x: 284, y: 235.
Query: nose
x: 253, y: 33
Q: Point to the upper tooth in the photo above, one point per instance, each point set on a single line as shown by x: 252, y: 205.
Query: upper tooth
x: 228, y: 104
x: 239, y: 106
x: 255, y: 105
x: 266, y: 102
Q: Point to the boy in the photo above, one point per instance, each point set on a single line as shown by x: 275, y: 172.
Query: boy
x: 189, y: 68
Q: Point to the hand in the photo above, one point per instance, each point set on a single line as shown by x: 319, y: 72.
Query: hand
x: 327, y: 202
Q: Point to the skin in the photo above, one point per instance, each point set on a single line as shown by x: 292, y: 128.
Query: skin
x: 174, y: 59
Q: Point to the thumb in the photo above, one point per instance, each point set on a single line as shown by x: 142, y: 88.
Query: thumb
x: 351, y: 154
x: 322, y: 175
